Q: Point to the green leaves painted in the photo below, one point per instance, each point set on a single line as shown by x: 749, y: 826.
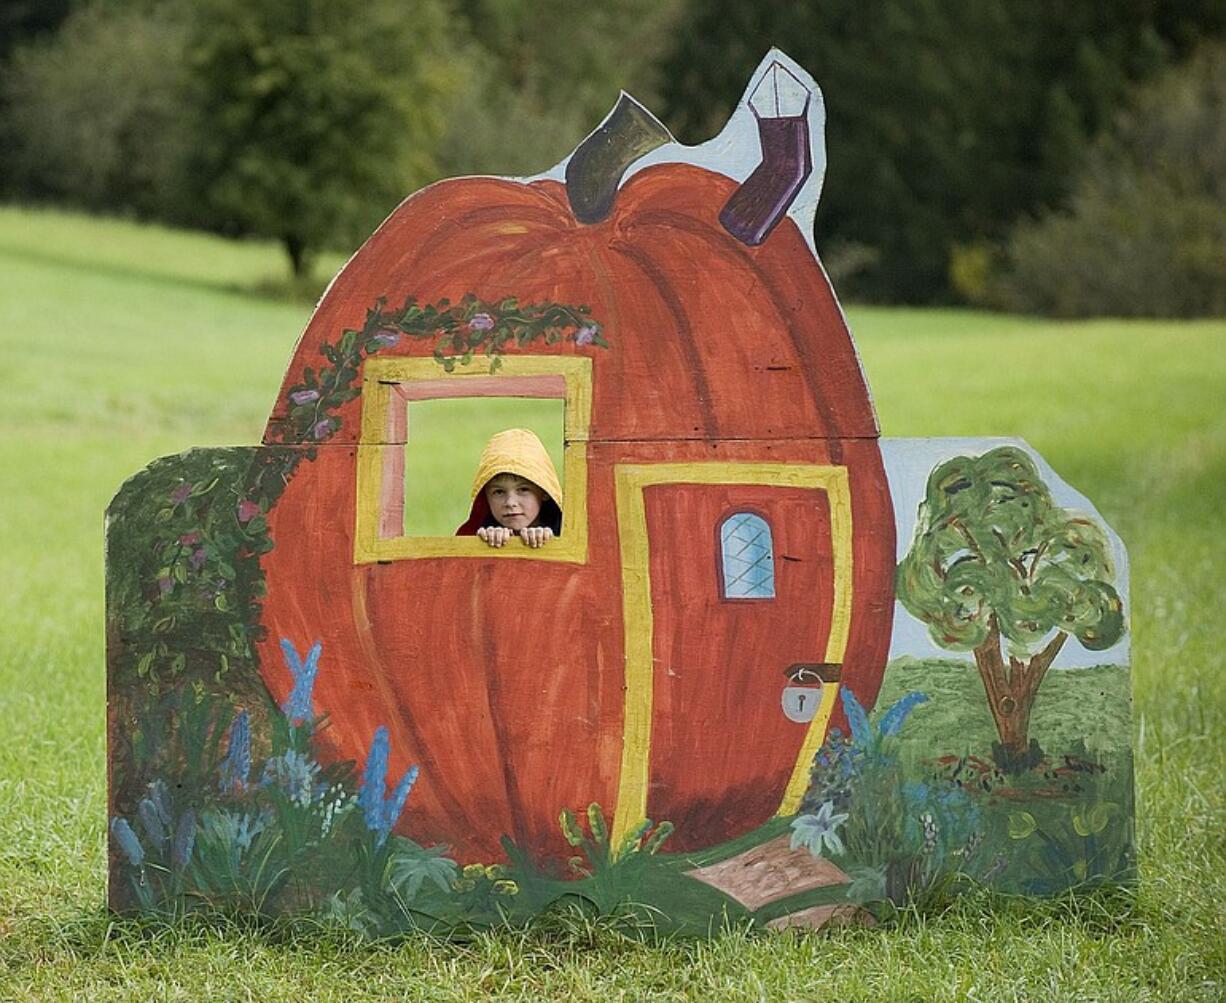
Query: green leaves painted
x: 184, y: 585
x: 460, y: 331
x: 992, y: 546
x: 473, y: 326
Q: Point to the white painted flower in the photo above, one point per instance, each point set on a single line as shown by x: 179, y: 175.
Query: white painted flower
x: 819, y: 830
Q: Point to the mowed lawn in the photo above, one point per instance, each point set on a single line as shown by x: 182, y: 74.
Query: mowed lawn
x: 120, y: 343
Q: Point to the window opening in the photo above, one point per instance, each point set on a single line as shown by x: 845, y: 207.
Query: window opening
x: 444, y: 442
x: 423, y: 431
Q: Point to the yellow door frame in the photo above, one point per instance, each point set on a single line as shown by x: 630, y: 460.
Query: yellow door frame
x: 631, y: 482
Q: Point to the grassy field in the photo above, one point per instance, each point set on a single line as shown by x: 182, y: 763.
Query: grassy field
x: 121, y: 343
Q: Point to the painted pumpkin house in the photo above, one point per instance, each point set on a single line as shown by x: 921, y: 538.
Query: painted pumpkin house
x: 316, y: 709
x: 727, y: 550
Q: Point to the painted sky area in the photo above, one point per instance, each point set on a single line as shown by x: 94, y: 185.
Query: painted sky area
x: 908, y: 463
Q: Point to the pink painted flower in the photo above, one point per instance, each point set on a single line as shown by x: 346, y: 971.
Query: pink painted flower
x: 481, y: 322
x: 187, y: 539
x: 197, y: 559
x: 585, y: 335
x: 386, y: 338
x: 181, y: 493
x: 247, y: 510
x: 304, y: 396
x: 322, y: 429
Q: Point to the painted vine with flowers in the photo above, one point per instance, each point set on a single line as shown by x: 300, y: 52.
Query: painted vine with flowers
x: 458, y: 332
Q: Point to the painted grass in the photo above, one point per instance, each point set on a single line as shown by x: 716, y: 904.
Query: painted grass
x: 1091, y: 705
x: 120, y: 343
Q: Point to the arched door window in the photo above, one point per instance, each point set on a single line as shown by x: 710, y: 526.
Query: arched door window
x: 747, y: 557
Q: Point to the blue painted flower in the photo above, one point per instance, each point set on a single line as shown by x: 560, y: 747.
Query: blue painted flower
x: 297, y: 706
x: 301, y: 397
x: 857, y: 718
x: 153, y: 821
x: 586, y: 334
x: 159, y: 794
x: 322, y: 428
x: 381, y: 812
x: 236, y: 767
x: 865, y: 736
x: 481, y: 322
x: 374, y: 779
x: 896, y: 716
x: 395, y: 804
x: 819, y: 831
x: 128, y: 843
x: 185, y: 838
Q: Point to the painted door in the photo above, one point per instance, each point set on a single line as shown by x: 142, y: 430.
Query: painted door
x: 746, y: 577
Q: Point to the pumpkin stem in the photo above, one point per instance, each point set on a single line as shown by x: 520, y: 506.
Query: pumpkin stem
x: 595, y: 169
x: 780, y: 103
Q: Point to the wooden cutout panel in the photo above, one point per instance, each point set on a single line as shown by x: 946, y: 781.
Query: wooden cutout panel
x: 773, y: 669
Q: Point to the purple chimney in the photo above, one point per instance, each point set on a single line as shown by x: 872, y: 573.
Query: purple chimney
x: 780, y: 103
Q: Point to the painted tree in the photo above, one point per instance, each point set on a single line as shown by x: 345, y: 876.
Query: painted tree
x: 999, y: 569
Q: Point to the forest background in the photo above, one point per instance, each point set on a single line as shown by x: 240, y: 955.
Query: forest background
x: 1031, y: 155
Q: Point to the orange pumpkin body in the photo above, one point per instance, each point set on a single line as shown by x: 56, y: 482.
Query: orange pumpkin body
x: 718, y: 352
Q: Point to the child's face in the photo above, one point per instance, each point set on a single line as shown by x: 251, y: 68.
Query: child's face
x: 514, y: 501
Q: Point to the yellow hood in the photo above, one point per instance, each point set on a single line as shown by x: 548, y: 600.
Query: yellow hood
x: 517, y: 451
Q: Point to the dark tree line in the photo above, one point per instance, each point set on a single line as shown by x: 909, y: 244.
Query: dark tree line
x: 950, y: 124
x: 947, y: 121
x: 302, y: 120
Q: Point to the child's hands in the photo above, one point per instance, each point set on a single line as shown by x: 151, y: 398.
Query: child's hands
x: 495, y: 536
x: 536, y: 536
x: 533, y: 536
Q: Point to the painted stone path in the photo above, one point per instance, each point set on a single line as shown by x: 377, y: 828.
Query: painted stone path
x: 773, y: 871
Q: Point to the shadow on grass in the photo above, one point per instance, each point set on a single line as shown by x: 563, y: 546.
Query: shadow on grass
x: 563, y: 934
x: 306, y: 289
x: 269, y: 288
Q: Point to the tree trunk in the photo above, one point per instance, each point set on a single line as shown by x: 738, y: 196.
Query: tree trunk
x: 1011, y: 690
x: 296, y: 248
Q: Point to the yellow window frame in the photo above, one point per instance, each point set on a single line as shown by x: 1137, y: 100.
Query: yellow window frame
x: 388, y: 385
